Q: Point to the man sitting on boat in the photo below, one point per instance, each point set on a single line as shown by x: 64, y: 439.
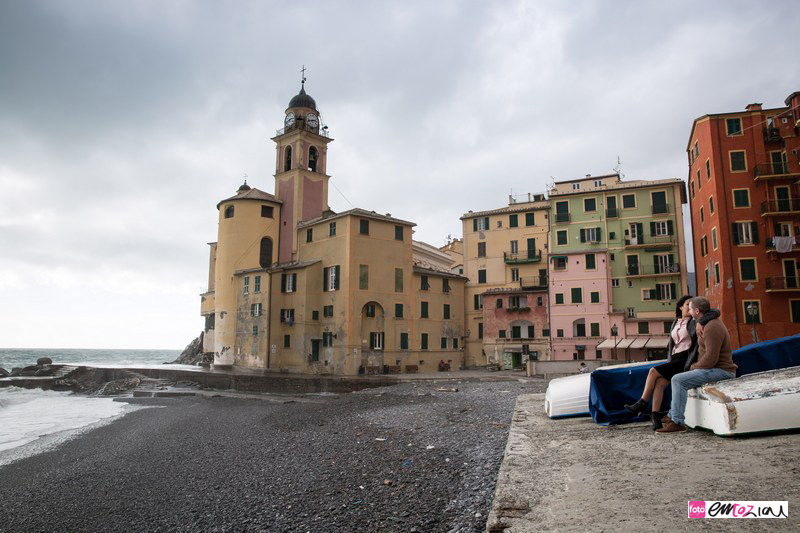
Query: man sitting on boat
x: 715, y: 362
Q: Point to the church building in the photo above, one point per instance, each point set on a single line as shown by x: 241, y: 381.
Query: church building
x: 296, y: 287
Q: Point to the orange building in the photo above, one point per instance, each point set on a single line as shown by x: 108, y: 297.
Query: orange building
x: 744, y: 197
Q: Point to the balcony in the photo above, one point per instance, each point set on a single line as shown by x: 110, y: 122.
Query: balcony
x: 659, y: 242
x: 783, y: 284
x: 562, y: 217
x: 612, y: 212
x: 770, y: 244
x: 652, y: 270
x: 660, y: 209
x: 772, y: 135
x: 525, y: 256
x: 787, y: 206
x: 322, y: 132
x: 533, y: 282
x: 773, y: 171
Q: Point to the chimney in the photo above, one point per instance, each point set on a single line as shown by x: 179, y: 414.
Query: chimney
x: 753, y: 107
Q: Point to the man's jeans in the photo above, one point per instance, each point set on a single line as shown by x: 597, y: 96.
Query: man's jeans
x: 681, y: 383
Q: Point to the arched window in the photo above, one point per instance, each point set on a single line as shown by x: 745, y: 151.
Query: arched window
x: 287, y: 160
x: 312, y: 159
x: 265, y: 256
x: 579, y: 327
x: 229, y: 212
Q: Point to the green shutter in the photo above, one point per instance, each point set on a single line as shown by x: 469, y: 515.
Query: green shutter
x: 325, y: 279
x: 283, y: 282
x: 474, y: 224
x: 653, y: 229
x: 754, y: 231
x: 583, y: 235
x: 670, y: 229
x: 674, y: 290
x: 336, y: 281
x: 735, y: 233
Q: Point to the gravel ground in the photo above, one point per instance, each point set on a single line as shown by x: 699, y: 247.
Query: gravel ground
x: 400, y: 458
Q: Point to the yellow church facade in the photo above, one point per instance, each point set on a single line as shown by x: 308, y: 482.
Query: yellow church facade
x: 296, y: 287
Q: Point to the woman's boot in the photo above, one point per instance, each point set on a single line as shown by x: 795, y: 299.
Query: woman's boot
x: 639, y: 408
x: 656, y: 419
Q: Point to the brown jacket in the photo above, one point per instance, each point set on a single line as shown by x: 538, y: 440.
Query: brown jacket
x: 715, y: 348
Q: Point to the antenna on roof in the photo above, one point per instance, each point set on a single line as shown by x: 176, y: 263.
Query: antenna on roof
x: 618, y: 169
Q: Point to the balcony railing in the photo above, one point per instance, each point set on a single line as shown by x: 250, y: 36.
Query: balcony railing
x: 783, y: 284
x: 778, y: 207
x: 773, y: 171
x: 770, y: 244
x: 772, y: 135
x: 660, y: 209
x: 653, y: 270
x: 612, y: 212
x: 525, y: 256
x: 657, y: 241
x: 323, y: 131
x: 562, y: 217
x: 533, y: 282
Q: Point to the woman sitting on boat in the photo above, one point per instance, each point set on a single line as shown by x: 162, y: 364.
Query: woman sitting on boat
x: 682, y: 351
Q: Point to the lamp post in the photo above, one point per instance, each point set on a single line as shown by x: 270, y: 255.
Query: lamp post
x: 614, y: 332
x: 752, y: 310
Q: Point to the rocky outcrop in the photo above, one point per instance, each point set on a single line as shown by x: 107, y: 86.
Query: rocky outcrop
x: 192, y: 354
x: 32, y: 370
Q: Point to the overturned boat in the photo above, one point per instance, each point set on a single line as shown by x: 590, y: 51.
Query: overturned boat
x: 568, y: 396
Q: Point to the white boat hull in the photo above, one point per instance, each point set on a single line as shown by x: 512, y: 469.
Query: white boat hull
x: 755, y: 403
x: 568, y: 396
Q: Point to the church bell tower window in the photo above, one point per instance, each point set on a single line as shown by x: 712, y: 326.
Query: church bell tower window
x: 287, y: 160
x: 312, y: 159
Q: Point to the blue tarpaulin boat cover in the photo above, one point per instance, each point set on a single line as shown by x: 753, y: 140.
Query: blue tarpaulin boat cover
x: 611, y: 388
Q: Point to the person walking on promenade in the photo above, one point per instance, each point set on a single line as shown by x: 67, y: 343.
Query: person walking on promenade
x: 682, y: 353
x: 714, y: 363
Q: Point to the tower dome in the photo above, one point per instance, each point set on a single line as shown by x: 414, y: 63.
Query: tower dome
x: 244, y: 187
x: 303, y: 100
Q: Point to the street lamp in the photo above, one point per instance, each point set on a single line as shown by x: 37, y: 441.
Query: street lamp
x: 752, y: 310
x: 614, y: 332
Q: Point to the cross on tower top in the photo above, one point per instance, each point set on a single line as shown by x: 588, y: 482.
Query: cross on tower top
x: 303, y: 75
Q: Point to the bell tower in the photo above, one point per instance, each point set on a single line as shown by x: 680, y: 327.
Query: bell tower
x: 301, y: 182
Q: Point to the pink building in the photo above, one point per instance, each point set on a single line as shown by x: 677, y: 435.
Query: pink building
x: 580, y: 288
x: 515, y: 324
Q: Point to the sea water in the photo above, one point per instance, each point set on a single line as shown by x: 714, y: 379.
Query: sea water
x: 22, y: 357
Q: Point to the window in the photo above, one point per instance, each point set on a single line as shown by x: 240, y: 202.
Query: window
x: 738, y: 161
x: 267, y: 211
x: 716, y: 273
x: 327, y: 339
x: 398, y: 310
x: 561, y: 237
x: 628, y: 201
x: 404, y: 341
x: 644, y: 328
x: 714, y: 238
x: 665, y: 291
x: 560, y: 263
x: 590, y: 234
x: 708, y: 283
x: 741, y: 197
x: 710, y: 205
x: 501, y: 334
x: 745, y: 233
x: 480, y: 330
x: 514, y: 247
x: 648, y: 294
x: 598, y: 183
x: 660, y: 228
x: 703, y: 246
x: 287, y: 315
x: 229, y: 212
x: 445, y: 285
x: 752, y: 311
x: 589, y: 205
x: 255, y: 331
x: 747, y: 270
x: 702, y: 215
x: 369, y: 310
x: 516, y: 332
x: 315, y: 315
x: 363, y: 277
x: 480, y: 224
x: 667, y: 327
x: 312, y: 159
x: 424, y: 285
x: 539, y: 301
x: 794, y: 310
x: 398, y: 280
x: 446, y: 311
x: 332, y: 229
x: 287, y: 341
x: 734, y: 126
x: 518, y: 302
x: 514, y: 274
x: 577, y: 295
x: 708, y: 170
x: 257, y: 284
x: 309, y: 234
x: 455, y: 343
x: 423, y: 341
x: 513, y: 221
x: 423, y: 312
x: 590, y: 262
x: 595, y: 297
x: 482, y: 276
x: 246, y: 289
x: 615, y: 283
x: 559, y: 298
x: 398, y: 233
x: 288, y: 282
x: 576, y: 186
x: 699, y: 181
x: 531, y: 332
x: 255, y: 309
x: 529, y: 219
x: 478, y: 302
x: 364, y: 227
x: 594, y: 329
x: 691, y: 186
x: 376, y: 340
x: 330, y: 281
x: 327, y: 311
x: 546, y: 332
x: 481, y: 249
x: 696, y: 151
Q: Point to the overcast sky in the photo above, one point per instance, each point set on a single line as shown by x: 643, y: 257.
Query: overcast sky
x: 122, y: 124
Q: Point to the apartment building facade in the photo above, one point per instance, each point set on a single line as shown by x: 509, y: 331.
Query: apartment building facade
x: 744, y: 196
x: 616, y: 266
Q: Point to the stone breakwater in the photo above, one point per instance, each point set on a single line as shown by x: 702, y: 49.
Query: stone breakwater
x: 416, y: 456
